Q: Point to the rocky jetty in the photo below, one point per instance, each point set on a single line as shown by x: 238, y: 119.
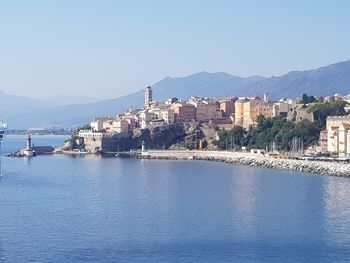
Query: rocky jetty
x: 318, y: 167
x: 324, y: 168
x: 37, y: 150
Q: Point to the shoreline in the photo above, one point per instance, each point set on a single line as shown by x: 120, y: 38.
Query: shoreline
x: 37, y: 135
x: 250, y: 159
x: 255, y: 160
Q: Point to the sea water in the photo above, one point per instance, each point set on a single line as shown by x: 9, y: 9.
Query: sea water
x: 60, y: 208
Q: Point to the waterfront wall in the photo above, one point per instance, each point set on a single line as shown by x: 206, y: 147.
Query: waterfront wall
x: 185, y: 154
x: 258, y: 160
x: 93, y: 145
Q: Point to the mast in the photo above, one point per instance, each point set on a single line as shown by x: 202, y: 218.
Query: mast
x: 3, y: 128
x: 0, y: 160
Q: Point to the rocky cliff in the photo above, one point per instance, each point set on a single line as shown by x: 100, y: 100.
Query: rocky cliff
x: 179, y: 135
x: 190, y: 135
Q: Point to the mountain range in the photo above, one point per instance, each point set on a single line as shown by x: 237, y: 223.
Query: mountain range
x: 22, y: 112
x: 61, y: 100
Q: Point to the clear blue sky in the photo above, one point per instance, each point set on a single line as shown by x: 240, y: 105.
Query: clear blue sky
x: 112, y: 48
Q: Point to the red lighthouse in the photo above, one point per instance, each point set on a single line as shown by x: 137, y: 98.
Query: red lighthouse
x: 29, y: 141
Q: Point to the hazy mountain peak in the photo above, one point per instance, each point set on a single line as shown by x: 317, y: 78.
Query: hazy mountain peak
x: 328, y: 80
x: 60, y: 100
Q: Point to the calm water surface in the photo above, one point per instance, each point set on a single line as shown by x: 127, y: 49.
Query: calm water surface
x: 92, y: 209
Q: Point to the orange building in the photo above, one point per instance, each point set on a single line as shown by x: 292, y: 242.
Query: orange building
x: 183, y: 111
x: 228, y: 106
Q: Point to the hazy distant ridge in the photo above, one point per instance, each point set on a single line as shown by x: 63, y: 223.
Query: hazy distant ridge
x: 335, y: 78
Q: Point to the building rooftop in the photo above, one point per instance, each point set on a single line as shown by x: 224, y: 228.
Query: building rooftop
x: 339, y: 117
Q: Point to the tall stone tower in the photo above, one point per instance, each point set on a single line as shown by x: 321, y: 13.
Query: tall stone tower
x: 148, y: 96
x: 266, y: 97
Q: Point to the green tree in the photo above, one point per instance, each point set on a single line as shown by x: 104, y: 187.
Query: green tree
x: 307, y: 99
x: 308, y: 131
x: 85, y: 127
x: 231, y: 138
x: 277, y: 129
x: 237, y: 133
x: 322, y: 110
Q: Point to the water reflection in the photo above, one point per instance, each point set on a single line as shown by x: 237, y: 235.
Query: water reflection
x: 337, y: 210
x: 244, y: 194
x: 100, y: 209
x: 2, y: 254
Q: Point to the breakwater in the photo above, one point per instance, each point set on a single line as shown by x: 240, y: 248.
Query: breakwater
x: 258, y: 160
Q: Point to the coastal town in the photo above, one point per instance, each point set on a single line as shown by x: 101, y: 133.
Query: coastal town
x: 175, y: 131
x: 203, y: 121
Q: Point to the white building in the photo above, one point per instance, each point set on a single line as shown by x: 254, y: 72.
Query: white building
x: 338, y: 133
x: 145, y: 117
x: 89, y: 134
x: 107, y: 125
x: 120, y: 126
x: 165, y: 114
x: 157, y: 123
x: 283, y: 107
x: 97, y: 124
